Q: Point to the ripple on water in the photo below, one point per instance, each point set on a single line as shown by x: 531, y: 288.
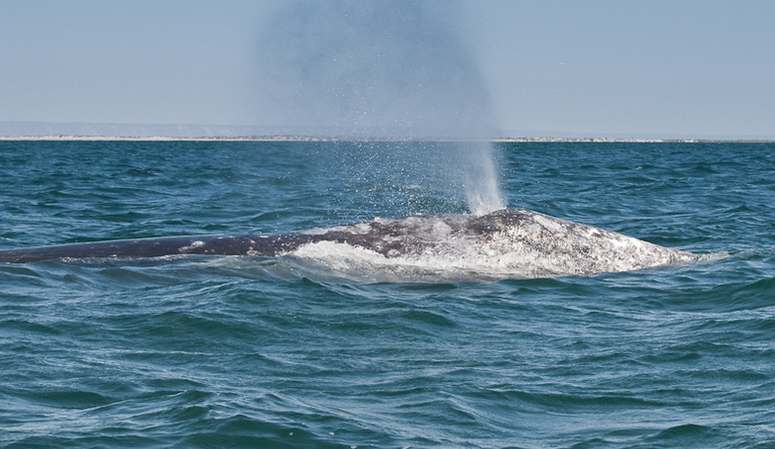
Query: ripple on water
x: 267, y: 352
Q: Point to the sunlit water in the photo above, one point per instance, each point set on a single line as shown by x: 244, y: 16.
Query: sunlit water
x: 290, y: 352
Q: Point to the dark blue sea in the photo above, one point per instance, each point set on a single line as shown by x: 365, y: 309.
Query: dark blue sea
x: 267, y: 352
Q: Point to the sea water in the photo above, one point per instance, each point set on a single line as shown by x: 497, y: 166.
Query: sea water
x: 278, y: 352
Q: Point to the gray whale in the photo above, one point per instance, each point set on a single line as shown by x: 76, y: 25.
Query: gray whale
x: 516, y: 241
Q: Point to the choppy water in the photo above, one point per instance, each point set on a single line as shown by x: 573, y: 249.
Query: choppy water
x: 265, y: 352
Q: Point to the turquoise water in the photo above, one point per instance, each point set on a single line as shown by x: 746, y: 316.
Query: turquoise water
x: 264, y: 352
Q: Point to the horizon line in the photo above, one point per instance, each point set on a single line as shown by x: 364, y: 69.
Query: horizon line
x: 113, y: 130
x: 377, y: 139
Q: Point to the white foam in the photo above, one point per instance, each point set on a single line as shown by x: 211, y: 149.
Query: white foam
x: 443, y: 248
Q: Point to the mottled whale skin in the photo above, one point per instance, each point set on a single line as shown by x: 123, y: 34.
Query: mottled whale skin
x: 517, y: 239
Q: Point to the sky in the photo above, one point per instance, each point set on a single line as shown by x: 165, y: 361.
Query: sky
x: 690, y: 68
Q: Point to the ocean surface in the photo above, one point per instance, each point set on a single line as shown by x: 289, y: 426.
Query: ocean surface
x: 277, y: 352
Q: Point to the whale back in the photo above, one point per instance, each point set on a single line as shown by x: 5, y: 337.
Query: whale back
x: 505, y: 243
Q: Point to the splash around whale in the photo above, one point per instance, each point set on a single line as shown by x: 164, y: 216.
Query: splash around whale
x: 509, y: 243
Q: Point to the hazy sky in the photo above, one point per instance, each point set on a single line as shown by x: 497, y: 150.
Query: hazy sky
x: 613, y: 67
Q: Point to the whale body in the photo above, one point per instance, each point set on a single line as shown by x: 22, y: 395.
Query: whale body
x: 519, y: 242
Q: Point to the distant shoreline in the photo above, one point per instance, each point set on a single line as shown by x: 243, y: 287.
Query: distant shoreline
x: 301, y: 138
